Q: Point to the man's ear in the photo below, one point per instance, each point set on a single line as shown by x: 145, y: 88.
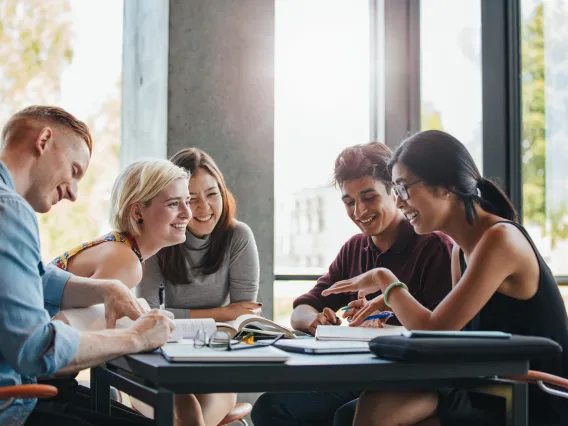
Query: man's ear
x: 43, y: 140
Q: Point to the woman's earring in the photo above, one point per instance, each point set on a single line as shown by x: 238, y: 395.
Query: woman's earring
x: 140, y: 221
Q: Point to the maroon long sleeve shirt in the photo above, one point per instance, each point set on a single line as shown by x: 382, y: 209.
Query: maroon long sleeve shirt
x: 422, y: 262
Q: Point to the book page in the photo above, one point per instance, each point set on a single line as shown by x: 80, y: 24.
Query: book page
x: 188, y: 328
x: 363, y: 334
x: 244, y: 320
x: 87, y: 319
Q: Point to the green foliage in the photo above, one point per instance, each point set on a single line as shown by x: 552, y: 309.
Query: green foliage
x: 430, y: 119
x: 35, y: 47
x: 552, y: 220
x: 534, y: 125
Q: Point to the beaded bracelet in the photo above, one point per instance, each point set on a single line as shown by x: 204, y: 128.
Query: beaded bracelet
x: 389, y: 288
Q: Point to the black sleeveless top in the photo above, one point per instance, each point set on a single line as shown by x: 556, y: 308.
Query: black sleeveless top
x: 542, y: 315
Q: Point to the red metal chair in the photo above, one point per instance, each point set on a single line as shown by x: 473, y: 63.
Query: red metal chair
x: 543, y: 380
x: 10, y: 393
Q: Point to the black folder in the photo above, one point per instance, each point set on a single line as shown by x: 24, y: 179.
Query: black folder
x: 463, y: 349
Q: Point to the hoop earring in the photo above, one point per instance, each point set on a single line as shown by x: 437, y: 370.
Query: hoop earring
x: 140, y: 221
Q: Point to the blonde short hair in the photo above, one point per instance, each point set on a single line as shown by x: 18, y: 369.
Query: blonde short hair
x: 140, y: 182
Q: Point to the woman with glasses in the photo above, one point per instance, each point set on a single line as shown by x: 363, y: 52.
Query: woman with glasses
x: 500, y: 282
x: 215, y: 272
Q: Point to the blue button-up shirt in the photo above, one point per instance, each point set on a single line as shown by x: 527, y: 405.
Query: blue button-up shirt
x: 30, y: 344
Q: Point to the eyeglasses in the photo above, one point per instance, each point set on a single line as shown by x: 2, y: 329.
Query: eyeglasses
x: 401, y: 190
x: 221, y: 341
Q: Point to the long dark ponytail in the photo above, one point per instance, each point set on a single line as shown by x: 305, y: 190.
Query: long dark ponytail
x: 441, y: 160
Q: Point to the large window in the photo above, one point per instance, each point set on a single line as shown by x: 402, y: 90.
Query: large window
x: 450, y: 74
x: 466, y: 66
x: 545, y: 128
x: 321, y: 106
x: 57, y: 53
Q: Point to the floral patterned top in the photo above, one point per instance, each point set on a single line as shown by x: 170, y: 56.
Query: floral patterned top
x: 119, y: 237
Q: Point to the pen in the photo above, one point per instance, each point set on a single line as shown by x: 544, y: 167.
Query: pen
x: 381, y: 315
x: 345, y: 308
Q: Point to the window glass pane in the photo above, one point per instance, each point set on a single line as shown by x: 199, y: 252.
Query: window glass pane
x: 322, y: 106
x: 450, y: 43
x: 57, y: 53
x: 545, y: 128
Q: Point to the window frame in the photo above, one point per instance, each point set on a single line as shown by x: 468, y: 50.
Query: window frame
x: 395, y: 107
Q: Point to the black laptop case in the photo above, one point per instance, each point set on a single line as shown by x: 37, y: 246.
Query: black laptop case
x: 463, y: 349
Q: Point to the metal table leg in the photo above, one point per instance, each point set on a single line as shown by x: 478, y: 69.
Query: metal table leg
x: 164, y: 408
x: 515, y: 395
x: 100, y: 391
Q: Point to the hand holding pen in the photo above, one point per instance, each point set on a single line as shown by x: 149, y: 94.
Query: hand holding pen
x: 326, y: 317
x: 375, y: 306
x: 377, y: 320
x: 353, y: 307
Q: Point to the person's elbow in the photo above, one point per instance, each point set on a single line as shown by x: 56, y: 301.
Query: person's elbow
x: 31, y: 362
x: 298, y: 317
x: 32, y: 366
x: 45, y: 351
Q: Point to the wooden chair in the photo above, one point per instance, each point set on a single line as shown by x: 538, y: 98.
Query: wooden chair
x: 543, y: 380
x: 10, y: 393
x: 237, y: 414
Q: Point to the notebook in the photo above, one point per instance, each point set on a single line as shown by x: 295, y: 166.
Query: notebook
x: 361, y: 334
x: 185, y: 352
x: 315, y: 347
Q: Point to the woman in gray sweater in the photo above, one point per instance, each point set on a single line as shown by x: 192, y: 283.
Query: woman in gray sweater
x: 215, y: 273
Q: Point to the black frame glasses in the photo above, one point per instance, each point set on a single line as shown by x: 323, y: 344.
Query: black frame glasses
x: 222, y: 341
x: 401, y: 190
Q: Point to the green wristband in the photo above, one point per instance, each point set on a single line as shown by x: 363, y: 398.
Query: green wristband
x: 389, y: 288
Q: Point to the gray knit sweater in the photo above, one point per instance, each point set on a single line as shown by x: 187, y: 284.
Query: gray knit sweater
x: 235, y: 281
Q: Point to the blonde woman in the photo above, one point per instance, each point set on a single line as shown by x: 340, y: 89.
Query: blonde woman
x: 149, y: 211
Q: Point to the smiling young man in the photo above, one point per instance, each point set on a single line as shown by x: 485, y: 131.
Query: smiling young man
x: 44, y: 153
x: 387, y: 240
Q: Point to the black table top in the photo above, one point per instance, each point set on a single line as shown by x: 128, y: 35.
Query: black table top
x: 304, y: 372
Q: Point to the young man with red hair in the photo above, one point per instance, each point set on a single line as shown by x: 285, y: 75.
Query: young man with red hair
x: 387, y: 239
x: 44, y: 153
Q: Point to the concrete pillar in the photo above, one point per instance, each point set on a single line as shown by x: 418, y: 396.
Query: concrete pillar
x: 201, y: 73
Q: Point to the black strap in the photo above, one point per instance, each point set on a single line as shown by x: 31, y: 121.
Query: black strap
x: 463, y: 265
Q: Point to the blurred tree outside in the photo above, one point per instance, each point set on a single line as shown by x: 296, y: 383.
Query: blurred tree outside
x: 36, y: 47
x: 430, y: 118
x: 534, y: 125
x: 550, y: 219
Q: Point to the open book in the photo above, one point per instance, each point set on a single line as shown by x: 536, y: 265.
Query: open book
x: 93, y: 319
x: 257, y: 325
x: 362, y: 334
